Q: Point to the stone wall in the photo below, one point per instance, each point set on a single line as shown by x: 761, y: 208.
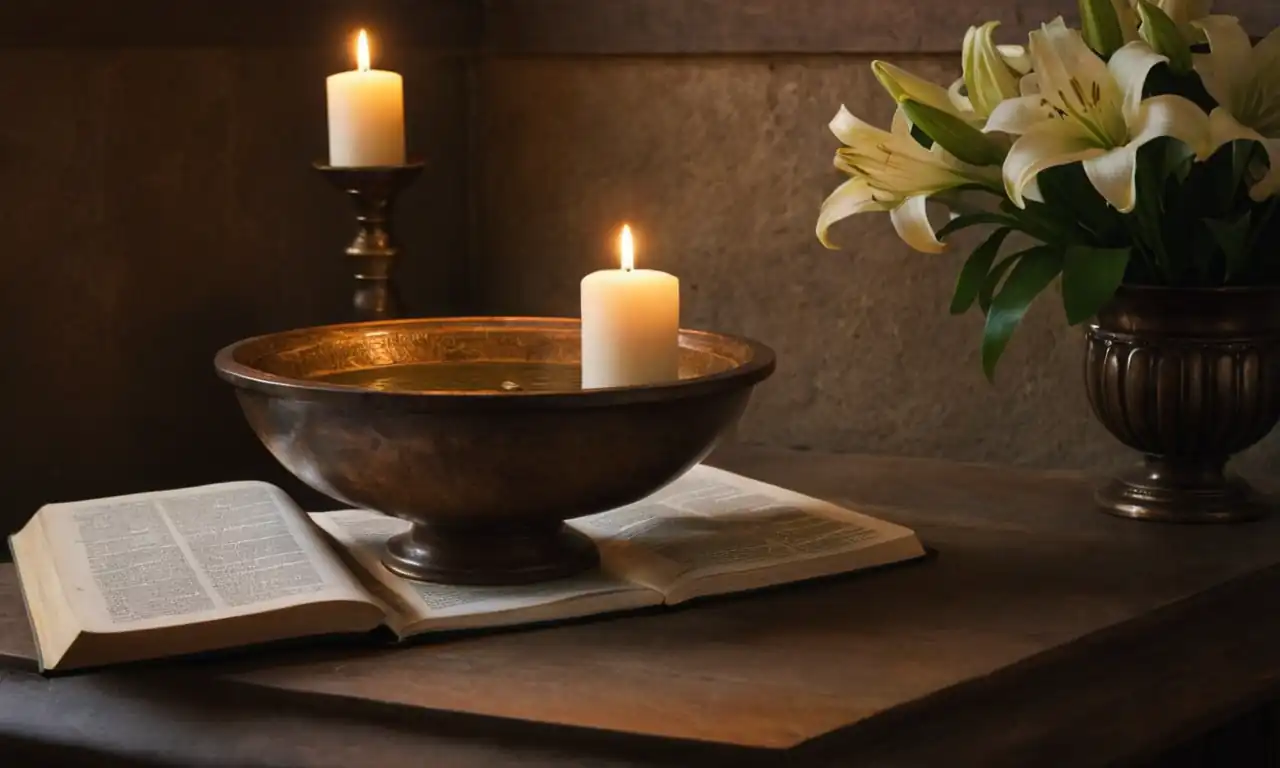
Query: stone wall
x: 704, y: 125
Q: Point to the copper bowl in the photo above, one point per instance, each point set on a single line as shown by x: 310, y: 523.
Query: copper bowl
x: 487, y: 444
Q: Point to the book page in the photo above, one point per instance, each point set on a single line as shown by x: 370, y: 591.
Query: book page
x: 177, y: 557
x: 421, y: 606
x: 712, y: 523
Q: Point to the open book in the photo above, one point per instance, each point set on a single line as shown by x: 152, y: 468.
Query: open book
x: 234, y: 564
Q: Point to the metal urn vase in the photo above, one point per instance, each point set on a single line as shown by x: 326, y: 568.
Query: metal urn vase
x: 1187, y: 377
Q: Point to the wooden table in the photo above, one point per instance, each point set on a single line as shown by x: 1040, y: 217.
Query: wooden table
x: 1043, y: 633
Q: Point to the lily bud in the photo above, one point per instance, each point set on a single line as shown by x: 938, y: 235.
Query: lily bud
x: 1101, y: 26
x: 966, y: 143
x: 1164, y: 37
x: 1184, y: 14
x: 988, y: 79
x: 903, y: 86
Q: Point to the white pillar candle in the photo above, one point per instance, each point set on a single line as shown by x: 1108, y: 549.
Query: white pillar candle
x: 630, y: 324
x: 366, y: 114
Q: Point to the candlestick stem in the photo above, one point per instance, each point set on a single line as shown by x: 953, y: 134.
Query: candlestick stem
x: 372, y: 252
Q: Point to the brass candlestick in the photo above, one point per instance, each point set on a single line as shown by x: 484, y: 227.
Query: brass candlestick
x: 373, y: 252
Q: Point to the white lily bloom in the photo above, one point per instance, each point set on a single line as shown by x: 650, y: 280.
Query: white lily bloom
x: 891, y: 171
x: 1091, y: 112
x: 1245, y: 81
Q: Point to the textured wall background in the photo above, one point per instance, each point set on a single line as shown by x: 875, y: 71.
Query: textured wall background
x: 704, y: 125
x: 158, y: 203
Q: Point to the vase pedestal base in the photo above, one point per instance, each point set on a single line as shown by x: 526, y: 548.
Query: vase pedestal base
x: 1165, y: 492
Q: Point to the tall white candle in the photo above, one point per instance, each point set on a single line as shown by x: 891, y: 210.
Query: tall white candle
x: 630, y: 324
x: 366, y: 114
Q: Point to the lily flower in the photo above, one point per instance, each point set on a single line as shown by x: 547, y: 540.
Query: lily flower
x: 906, y: 86
x: 1245, y: 81
x: 1184, y: 13
x: 891, y: 171
x: 991, y: 74
x: 989, y: 77
x: 1084, y: 110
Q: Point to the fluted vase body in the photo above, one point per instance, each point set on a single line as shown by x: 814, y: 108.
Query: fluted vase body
x: 1188, y: 378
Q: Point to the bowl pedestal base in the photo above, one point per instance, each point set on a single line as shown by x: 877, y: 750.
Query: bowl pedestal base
x: 1181, y: 492
x: 492, y: 555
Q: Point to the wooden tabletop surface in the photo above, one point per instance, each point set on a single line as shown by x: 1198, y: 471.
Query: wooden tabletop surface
x: 1042, y: 632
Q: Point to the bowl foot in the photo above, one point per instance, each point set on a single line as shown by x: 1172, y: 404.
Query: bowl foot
x: 511, y: 555
x: 1161, y: 491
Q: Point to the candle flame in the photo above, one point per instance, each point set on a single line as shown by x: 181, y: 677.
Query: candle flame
x: 362, y: 51
x: 627, y: 248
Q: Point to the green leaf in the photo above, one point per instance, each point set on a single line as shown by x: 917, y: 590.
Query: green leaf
x: 975, y: 271
x: 992, y: 282
x: 1242, y: 154
x: 1068, y: 192
x: 921, y: 137
x: 1043, y: 222
x: 1163, y: 35
x: 1034, y: 271
x: 1148, y: 219
x: 1090, y: 277
x: 955, y: 135
x: 1233, y: 238
x: 1100, y: 25
x: 973, y: 220
x: 1178, y: 159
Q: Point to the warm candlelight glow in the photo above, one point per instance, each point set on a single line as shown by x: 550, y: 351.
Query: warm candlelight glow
x: 362, y: 51
x: 627, y: 248
x: 630, y: 323
x: 366, y: 113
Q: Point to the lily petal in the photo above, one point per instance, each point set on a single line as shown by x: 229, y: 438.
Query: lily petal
x: 1128, y: 19
x: 1076, y: 81
x: 1114, y: 175
x: 903, y: 85
x: 849, y: 199
x: 1017, y: 116
x: 1183, y: 12
x: 911, y: 220
x: 901, y: 125
x: 958, y: 100
x: 1016, y: 57
x: 1129, y: 67
x: 1175, y: 116
x: 1266, y: 54
x: 1224, y: 128
x: 1226, y: 72
x: 1266, y: 59
x: 1048, y: 145
x: 1029, y: 85
x: 851, y: 130
x: 1032, y: 191
x: 987, y: 75
x: 1060, y: 55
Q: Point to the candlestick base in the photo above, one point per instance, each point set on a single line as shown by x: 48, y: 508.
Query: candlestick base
x: 373, y: 251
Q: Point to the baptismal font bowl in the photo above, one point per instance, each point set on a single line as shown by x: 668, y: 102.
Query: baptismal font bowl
x: 477, y: 431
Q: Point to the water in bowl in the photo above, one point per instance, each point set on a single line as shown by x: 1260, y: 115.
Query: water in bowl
x: 486, y: 376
